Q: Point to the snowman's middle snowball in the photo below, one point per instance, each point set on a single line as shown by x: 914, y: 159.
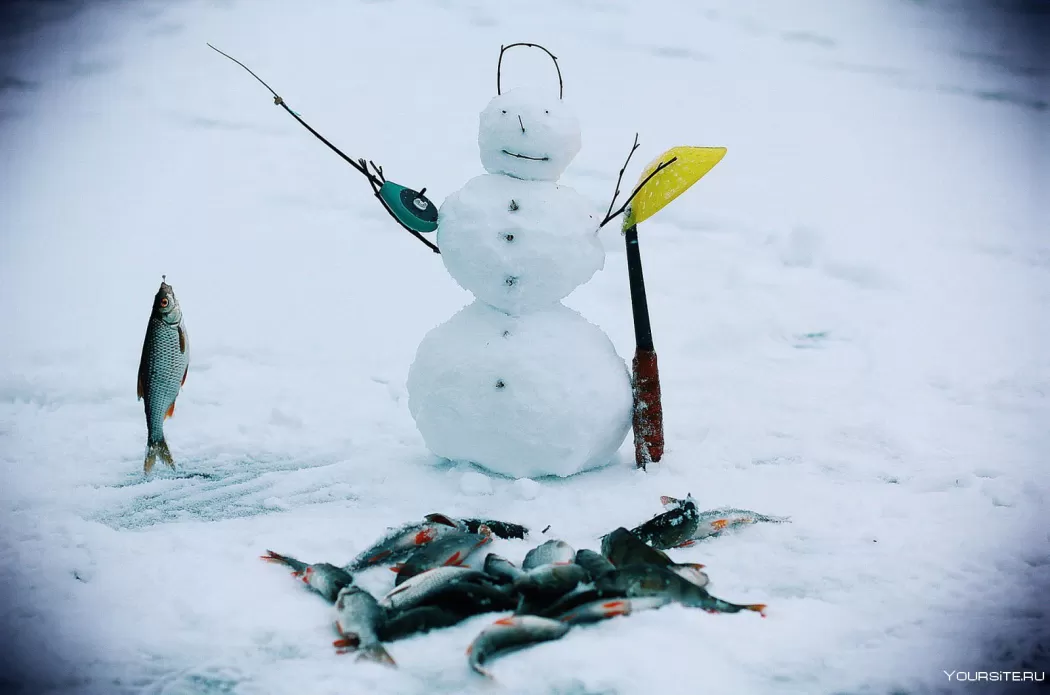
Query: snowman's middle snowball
x: 518, y: 245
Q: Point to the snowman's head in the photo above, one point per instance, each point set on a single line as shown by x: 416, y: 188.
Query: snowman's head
x: 525, y: 133
x: 528, y: 134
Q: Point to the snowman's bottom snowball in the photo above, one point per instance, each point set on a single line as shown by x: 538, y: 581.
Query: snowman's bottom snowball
x: 539, y: 394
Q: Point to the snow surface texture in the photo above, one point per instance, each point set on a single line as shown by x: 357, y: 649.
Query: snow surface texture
x: 528, y: 133
x: 850, y: 312
x: 540, y: 394
x: 520, y: 257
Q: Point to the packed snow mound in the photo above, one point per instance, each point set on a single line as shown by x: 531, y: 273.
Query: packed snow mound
x: 526, y: 396
x: 528, y: 134
x: 518, y: 245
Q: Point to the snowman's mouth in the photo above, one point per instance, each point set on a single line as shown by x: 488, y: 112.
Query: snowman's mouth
x: 525, y: 156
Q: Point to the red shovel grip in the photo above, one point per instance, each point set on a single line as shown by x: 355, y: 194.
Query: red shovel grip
x: 648, y: 411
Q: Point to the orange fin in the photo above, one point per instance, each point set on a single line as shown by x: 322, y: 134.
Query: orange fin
x: 686, y: 544
x: 183, y: 340
x: 184, y: 375
x: 171, y: 410
x: 759, y: 608
x: 719, y: 524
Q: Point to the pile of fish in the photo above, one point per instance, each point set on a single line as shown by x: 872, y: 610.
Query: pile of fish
x: 555, y: 588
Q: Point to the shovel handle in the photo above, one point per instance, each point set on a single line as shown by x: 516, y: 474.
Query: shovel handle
x: 648, y: 418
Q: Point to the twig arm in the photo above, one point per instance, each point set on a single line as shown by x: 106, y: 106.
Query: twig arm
x: 663, y: 165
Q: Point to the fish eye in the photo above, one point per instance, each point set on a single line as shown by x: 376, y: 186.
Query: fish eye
x: 164, y: 302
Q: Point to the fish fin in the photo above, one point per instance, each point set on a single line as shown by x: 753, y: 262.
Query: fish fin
x: 397, y: 567
x: 694, y: 565
x: 143, y: 367
x: 346, y: 643
x: 184, y: 375
x: 719, y: 524
x: 669, y: 501
x: 759, y: 608
x: 509, y: 620
x: 439, y: 518
x: 184, y: 341
x: 377, y: 653
x: 375, y: 559
x: 455, y: 560
x: 271, y: 556
x: 153, y: 451
x: 170, y: 411
x: 159, y: 449
x: 425, y: 536
x: 476, y: 665
x: 686, y: 544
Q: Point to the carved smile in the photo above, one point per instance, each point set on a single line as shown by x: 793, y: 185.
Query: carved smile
x: 525, y: 156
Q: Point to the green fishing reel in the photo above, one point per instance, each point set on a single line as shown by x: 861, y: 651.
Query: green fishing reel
x: 411, y: 208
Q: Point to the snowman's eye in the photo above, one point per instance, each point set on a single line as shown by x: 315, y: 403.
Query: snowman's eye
x: 545, y: 111
x: 504, y: 111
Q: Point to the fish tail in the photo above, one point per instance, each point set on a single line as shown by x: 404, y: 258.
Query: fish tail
x: 376, y: 652
x: 759, y: 608
x: 155, y: 449
x: 277, y: 558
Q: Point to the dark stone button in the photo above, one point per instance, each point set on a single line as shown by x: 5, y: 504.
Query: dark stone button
x: 513, y: 205
x: 500, y: 384
x: 511, y: 281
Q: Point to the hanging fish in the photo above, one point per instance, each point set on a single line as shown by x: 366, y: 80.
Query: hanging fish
x: 162, y: 371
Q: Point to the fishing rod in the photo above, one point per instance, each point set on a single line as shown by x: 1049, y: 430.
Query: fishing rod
x: 653, y: 193
x: 410, y: 208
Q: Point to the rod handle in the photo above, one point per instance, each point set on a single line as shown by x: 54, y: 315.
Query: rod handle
x: 648, y: 419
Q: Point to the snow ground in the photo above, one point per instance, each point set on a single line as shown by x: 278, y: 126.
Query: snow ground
x: 851, y: 313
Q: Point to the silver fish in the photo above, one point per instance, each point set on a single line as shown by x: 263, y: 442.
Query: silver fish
x: 601, y: 610
x: 162, y: 371
x: 450, y: 550
x: 649, y: 580
x: 551, y: 580
x: 358, y: 617
x: 400, y: 542
x: 549, y: 553
x: 501, y: 568
x: 595, y: 564
x: 714, y: 522
x: 324, y: 578
x: 415, y: 591
x: 512, y: 633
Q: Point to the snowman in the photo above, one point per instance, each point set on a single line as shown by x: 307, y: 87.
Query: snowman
x: 517, y: 382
